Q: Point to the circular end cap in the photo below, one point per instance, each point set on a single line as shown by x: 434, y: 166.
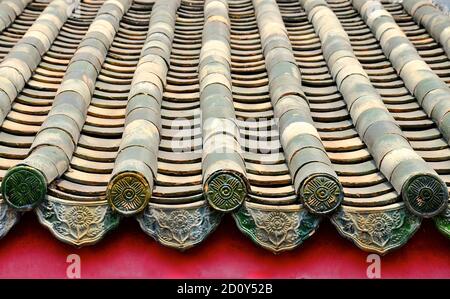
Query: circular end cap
x: 425, y: 195
x: 24, y: 187
x: 321, y: 194
x: 225, y: 191
x: 128, y: 193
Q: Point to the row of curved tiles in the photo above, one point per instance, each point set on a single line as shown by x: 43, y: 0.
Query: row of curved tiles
x: 251, y: 57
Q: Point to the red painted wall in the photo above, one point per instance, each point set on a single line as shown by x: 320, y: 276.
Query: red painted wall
x: 30, y: 251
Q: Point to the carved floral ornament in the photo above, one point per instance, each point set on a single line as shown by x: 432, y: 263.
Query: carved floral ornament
x: 425, y: 194
x: 225, y: 192
x: 129, y: 193
x: 24, y: 187
x: 76, y: 223
x: 181, y: 226
x: 378, y: 229
x: 276, y: 228
x: 321, y: 194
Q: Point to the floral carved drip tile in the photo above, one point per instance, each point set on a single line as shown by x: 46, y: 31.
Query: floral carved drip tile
x: 378, y: 229
x: 277, y: 228
x: 76, y: 223
x: 180, y: 227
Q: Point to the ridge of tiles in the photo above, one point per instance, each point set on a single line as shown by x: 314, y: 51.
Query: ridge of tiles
x: 177, y: 112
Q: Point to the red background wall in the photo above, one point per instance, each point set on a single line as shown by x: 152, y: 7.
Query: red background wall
x: 30, y: 251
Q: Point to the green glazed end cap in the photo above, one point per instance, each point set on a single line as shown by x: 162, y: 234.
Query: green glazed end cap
x: 425, y: 195
x: 225, y: 191
x: 128, y: 193
x: 321, y: 194
x: 24, y: 187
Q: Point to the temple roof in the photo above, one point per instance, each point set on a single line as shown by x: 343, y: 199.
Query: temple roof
x: 281, y: 114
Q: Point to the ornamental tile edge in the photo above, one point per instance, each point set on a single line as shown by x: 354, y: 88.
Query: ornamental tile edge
x: 179, y: 226
x: 76, y: 223
x: 277, y: 228
x: 8, y: 218
x: 378, y: 230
